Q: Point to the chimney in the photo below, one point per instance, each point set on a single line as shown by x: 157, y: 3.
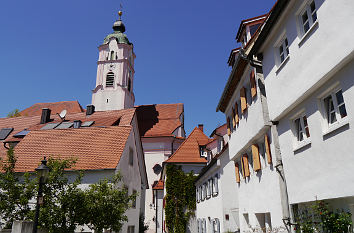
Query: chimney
x: 77, y: 124
x: 90, y: 109
x: 45, y: 118
x: 201, y: 127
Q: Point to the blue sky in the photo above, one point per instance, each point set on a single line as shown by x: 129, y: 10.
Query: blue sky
x: 48, y: 51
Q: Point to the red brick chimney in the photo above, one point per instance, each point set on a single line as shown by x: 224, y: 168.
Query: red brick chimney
x: 201, y: 127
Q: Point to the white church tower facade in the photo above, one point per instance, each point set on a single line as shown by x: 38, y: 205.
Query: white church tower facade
x: 115, y: 71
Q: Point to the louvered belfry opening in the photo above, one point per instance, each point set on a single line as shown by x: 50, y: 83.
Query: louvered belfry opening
x: 110, y: 79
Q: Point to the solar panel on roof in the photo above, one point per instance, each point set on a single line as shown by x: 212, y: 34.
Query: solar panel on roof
x: 87, y: 123
x: 5, y: 132
x: 21, y: 134
x: 50, y: 126
x: 64, y: 125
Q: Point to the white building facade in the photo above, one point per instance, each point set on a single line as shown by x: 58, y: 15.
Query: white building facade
x: 308, y: 65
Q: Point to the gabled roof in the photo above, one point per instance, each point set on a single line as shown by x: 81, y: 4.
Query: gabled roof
x: 268, y: 25
x: 32, y: 123
x: 56, y: 107
x: 159, y: 119
x: 158, y: 185
x: 189, y: 151
x: 245, y: 22
x: 94, y: 148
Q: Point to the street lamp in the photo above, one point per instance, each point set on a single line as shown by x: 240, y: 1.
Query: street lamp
x: 42, y: 172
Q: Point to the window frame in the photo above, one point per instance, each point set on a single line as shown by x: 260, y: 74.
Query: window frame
x: 328, y: 127
x: 306, y: 136
x: 306, y: 8
x: 215, y: 189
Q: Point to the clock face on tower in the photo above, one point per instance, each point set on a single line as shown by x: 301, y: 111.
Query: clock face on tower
x: 112, y: 66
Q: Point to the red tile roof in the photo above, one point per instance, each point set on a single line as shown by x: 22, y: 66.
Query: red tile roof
x: 189, y: 151
x: 159, y: 119
x: 159, y: 185
x: 94, y: 148
x: 101, y: 119
x: 56, y: 107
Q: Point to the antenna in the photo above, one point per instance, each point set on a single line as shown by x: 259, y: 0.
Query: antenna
x: 62, y: 114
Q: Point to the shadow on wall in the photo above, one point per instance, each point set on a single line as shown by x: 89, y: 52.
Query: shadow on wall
x: 147, y: 118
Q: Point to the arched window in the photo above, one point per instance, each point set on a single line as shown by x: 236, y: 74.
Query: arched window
x: 112, y: 55
x: 129, y: 84
x: 110, y: 79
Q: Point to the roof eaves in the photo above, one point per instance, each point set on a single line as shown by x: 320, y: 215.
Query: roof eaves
x: 274, y: 14
x: 223, y: 100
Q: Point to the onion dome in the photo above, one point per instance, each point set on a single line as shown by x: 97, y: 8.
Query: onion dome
x: 118, y: 33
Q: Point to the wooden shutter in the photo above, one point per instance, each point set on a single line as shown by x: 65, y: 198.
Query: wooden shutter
x: 253, y: 85
x: 237, y: 171
x: 246, y: 169
x: 243, y: 99
x: 237, y: 119
x: 228, y: 127
x: 256, y: 160
x: 267, y: 147
x: 233, y: 118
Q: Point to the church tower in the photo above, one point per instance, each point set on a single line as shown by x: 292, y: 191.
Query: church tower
x: 115, y: 71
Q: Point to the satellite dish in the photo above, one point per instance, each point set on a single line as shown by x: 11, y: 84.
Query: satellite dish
x: 62, y: 114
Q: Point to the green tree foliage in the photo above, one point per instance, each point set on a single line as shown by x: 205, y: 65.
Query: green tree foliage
x: 62, y: 210
x: 320, y: 218
x: 180, y: 198
x: 16, y: 193
x: 106, y: 204
x: 66, y: 206
x: 14, y: 113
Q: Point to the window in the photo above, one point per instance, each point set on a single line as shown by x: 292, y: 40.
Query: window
x: 283, y: 50
x: 237, y: 172
x: 131, y: 229
x: 197, y: 194
x: 228, y: 126
x: 308, y: 17
x: 200, y: 193
x: 216, y: 226
x: 243, y: 98
x: 134, y: 201
x: 204, y: 228
x: 334, y: 107
x: 131, y: 157
x: 112, y: 55
x: 204, y: 191
x: 209, y: 187
x: 129, y: 84
x: 301, y: 128
x: 109, y: 79
x: 215, y: 185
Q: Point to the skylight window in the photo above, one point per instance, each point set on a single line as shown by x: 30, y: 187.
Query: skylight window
x: 87, y: 124
x: 22, y: 134
x: 65, y: 125
x: 50, y: 126
x: 4, y: 132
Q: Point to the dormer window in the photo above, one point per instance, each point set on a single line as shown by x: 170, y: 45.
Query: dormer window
x: 110, y: 79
